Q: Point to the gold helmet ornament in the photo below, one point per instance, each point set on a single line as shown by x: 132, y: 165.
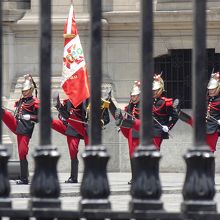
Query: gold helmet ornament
x: 136, y: 88
x: 214, y: 81
x: 158, y: 84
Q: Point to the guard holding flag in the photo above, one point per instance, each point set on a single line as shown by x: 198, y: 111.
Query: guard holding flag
x: 66, y: 109
x: 75, y: 84
x: 78, y: 117
x: 73, y: 123
x: 22, y: 123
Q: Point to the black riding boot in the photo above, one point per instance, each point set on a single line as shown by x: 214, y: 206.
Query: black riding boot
x: 24, y: 173
x: 213, y: 170
x: 132, y: 171
x: 74, y: 172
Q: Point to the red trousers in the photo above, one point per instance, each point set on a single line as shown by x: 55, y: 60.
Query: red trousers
x: 134, y: 142
x: 156, y: 140
x: 73, y: 142
x: 211, y: 140
x: 79, y: 127
x: 22, y: 140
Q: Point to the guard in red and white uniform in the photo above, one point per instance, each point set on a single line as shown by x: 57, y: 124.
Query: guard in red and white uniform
x: 213, y: 111
x: 133, y: 110
x: 73, y: 137
x: 22, y: 123
x: 73, y: 123
x: 164, y: 114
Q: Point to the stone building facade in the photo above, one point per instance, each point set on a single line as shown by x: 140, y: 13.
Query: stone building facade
x: 121, y: 60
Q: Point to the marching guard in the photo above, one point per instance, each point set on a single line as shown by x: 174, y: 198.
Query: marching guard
x: 163, y: 112
x: 73, y: 123
x: 212, y: 114
x: 67, y: 110
x: 213, y: 111
x: 22, y: 123
x: 133, y: 110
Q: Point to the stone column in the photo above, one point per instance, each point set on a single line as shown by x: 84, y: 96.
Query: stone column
x: 8, y: 60
x: 12, y: 12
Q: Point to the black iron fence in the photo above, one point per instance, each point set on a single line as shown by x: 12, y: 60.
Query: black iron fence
x: 198, y: 189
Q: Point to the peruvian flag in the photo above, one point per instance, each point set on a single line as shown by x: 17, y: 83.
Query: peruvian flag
x: 75, y: 81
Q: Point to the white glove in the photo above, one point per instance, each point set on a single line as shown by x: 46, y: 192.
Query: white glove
x: 165, y: 128
x: 62, y: 119
x: 219, y: 122
x: 26, y: 117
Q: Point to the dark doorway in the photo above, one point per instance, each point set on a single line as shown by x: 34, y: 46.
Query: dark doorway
x: 176, y: 72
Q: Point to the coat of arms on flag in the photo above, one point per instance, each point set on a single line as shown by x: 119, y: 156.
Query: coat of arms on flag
x: 74, y: 75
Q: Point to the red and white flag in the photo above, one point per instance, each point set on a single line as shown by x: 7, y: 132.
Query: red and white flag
x: 75, y: 81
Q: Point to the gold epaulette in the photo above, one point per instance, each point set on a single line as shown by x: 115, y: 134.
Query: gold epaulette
x: 105, y: 103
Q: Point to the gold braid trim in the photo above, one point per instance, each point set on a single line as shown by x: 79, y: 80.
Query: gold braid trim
x: 69, y: 35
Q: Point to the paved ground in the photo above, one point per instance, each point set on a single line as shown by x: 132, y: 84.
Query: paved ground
x: 120, y: 197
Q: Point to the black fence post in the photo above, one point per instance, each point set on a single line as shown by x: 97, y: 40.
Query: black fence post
x: 199, y: 186
x: 45, y: 188
x: 95, y: 188
x: 146, y: 187
x: 5, y: 202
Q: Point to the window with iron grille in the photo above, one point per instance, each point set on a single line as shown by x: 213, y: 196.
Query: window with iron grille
x: 177, y: 72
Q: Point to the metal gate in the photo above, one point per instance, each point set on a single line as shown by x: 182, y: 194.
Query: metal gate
x: 198, y: 189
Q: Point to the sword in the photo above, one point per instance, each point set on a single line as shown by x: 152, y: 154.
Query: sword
x: 211, y: 117
x: 153, y: 119
x: 82, y: 122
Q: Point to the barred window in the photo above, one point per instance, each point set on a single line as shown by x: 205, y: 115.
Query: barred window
x: 177, y: 72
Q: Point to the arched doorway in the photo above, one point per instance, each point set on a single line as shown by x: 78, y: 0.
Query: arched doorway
x: 177, y: 72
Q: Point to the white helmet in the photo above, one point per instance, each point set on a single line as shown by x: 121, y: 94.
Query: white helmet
x: 28, y: 83
x: 158, y: 82
x: 214, y: 81
x: 136, y: 88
